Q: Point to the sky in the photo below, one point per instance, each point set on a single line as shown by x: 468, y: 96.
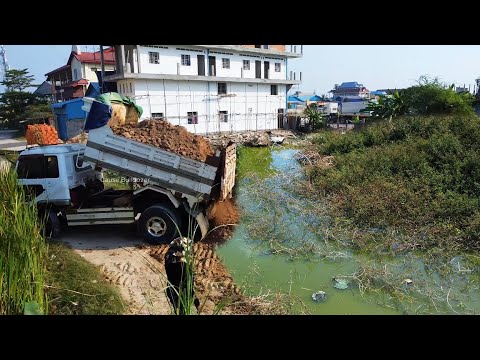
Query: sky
x: 322, y: 66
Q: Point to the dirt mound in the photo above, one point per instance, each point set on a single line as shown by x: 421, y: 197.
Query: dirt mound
x: 224, y: 212
x: 79, y: 139
x: 174, y: 138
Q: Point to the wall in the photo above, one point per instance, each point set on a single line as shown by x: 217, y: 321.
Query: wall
x: 76, y: 65
x: 170, y: 58
x: 126, y: 87
x: 249, y: 106
x: 90, y: 75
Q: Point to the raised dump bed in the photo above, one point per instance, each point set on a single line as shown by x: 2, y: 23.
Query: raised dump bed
x: 161, y: 167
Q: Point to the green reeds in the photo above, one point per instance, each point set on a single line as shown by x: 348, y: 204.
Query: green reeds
x: 23, y: 250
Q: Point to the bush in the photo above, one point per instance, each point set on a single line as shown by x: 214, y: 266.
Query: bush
x: 415, y: 172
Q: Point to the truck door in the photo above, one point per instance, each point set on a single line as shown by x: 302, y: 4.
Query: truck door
x: 40, y: 174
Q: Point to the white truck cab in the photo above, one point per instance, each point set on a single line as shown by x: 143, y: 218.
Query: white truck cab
x: 52, y: 171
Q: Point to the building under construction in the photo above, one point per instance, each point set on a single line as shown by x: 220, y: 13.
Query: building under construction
x: 209, y: 88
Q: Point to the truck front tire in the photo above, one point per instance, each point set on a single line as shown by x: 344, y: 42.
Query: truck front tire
x: 52, y: 226
x: 158, y: 224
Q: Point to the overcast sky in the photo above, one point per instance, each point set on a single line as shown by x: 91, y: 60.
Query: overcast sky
x: 322, y: 66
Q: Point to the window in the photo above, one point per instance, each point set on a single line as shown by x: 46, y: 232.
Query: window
x: 246, y: 64
x: 153, y: 57
x: 278, y: 67
x: 78, y: 164
x: 265, y: 46
x: 192, y: 117
x: 258, y: 46
x: 222, y: 88
x: 75, y: 74
x: 185, y: 60
x: 37, y: 167
x: 157, y: 115
x: 226, y: 63
x: 223, y: 116
x: 273, y: 89
x: 130, y: 85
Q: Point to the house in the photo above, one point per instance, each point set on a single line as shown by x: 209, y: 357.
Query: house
x: 350, y: 90
x: 44, y: 90
x: 207, y: 88
x: 300, y: 100
x: 71, y: 81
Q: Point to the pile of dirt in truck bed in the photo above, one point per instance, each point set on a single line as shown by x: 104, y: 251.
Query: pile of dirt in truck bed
x: 174, y: 138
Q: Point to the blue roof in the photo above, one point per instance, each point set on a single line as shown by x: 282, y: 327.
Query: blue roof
x: 378, y: 92
x: 351, y: 84
x: 304, y: 98
x: 292, y: 98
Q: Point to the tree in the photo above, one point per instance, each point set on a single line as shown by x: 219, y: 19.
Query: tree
x: 18, y: 80
x: 16, y: 104
x: 315, y: 117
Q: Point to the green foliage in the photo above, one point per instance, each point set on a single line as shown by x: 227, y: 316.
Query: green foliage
x: 76, y: 287
x: 16, y: 104
x: 22, y: 250
x: 418, y: 172
x: 389, y: 106
x: 428, y: 97
x: 316, y: 118
x: 17, y: 80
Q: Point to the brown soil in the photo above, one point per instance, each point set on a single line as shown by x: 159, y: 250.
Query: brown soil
x: 79, y: 139
x: 223, y: 215
x: 174, y: 138
x: 224, y: 212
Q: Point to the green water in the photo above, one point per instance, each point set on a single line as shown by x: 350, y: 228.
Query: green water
x: 272, y: 208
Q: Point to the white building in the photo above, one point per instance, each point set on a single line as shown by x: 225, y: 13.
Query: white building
x: 208, y: 88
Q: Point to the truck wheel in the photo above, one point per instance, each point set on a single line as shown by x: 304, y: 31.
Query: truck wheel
x: 52, y: 225
x: 158, y: 224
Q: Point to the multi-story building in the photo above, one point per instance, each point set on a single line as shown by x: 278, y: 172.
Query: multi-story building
x: 350, y: 90
x: 72, y: 79
x: 208, y: 88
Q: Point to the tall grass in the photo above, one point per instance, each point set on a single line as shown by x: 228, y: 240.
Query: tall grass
x: 23, y: 250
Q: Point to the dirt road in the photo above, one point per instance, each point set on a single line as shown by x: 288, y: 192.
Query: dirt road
x: 125, y: 261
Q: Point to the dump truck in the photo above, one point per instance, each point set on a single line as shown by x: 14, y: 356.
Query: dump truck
x: 66, y: 183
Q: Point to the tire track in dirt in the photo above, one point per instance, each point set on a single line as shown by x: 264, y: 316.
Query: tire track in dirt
x: 125, y: 262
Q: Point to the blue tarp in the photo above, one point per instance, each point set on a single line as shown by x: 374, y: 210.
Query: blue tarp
x: 93, y: 90
x: 98, y: 116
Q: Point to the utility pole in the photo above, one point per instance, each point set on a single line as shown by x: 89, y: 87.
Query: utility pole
x: 102, y: 90
x: 4, y: 63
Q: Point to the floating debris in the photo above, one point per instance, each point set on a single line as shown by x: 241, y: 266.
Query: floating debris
x: 319, y: 296
x: 340, y: 284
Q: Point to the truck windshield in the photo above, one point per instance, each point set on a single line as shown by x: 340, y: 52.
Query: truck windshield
x: 37, y: 167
